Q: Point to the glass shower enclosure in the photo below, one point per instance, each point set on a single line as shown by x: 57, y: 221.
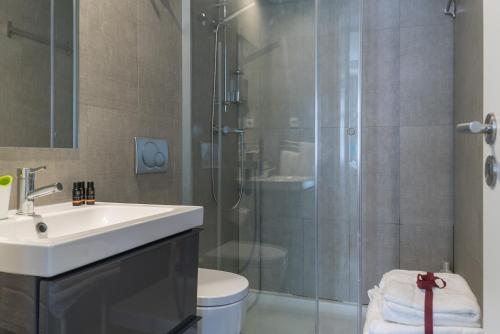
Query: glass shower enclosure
x: 275, y: 156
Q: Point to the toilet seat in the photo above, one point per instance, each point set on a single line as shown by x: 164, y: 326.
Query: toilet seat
x: 218, y: 288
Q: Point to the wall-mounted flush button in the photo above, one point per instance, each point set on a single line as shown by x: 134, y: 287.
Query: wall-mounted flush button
x: 151, y: 155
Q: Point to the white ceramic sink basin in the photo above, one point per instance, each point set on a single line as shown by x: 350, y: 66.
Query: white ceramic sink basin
x: 77, y: 236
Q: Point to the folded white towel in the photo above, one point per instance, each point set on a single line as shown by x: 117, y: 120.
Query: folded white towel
x: 375, y: 323
x: 403, y: 302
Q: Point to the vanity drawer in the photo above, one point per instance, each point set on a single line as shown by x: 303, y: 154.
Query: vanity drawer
x: 148, y: 290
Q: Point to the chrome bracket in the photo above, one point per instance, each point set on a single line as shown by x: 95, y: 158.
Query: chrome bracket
x: 451, y: 9
x: 489, y: 128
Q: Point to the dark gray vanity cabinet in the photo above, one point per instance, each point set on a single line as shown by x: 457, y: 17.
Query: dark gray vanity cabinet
x: 150, y: 290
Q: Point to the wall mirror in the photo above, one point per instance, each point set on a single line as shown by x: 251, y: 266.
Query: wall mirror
x: 39, y: 73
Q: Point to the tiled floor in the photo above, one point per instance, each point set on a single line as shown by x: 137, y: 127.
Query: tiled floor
x: 283, y: 314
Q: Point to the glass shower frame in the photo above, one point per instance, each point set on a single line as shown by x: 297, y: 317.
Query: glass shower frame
x: 350, y: 126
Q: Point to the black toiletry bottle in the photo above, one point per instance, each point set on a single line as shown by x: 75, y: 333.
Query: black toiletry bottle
x: 77, y: 195
x: 90, y: 193
x: 82, y: 191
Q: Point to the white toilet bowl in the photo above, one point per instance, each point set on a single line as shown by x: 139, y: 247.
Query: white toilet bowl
x: 222, y: 302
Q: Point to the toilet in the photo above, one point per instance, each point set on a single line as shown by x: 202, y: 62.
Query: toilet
x: 222, y: 301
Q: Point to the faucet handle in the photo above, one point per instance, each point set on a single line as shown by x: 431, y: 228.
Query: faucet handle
x: 37, y: 169
x: 29, y: 172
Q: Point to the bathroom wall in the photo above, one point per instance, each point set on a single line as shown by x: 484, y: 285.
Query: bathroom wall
x: 469, y: 149
x: 130, y: 85
x: 408, y: 136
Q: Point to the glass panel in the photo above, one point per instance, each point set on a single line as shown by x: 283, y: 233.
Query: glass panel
x: 338, y: 179
x: 263, y: 179
x: 256, y: 67
x: 277, y: 234
x: 338, y: 206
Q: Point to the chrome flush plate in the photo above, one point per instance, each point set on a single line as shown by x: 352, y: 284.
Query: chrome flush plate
x: 151, y: 155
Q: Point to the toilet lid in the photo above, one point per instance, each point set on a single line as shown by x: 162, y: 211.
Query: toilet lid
x: 217, y: 288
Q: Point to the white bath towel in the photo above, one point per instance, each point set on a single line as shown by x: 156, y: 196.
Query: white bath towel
x: 403, y: 302
x: 375, y: 323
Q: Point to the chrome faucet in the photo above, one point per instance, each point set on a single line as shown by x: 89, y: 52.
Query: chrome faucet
x: 26, y: 192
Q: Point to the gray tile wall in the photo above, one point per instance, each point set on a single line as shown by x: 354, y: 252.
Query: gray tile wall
x: 130, y: 64
x: 408, y: 136
x: 468, y: 149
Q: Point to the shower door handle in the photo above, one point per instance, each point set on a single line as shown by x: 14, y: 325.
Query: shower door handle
x: 474, y: 127
x: 489, y: 128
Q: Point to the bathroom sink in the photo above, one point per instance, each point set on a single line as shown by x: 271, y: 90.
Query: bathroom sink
x: 77, y: 236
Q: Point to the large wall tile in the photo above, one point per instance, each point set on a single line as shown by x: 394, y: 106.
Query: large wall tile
x: 110, y: 82
x: 381, y: 174
x: 380, y: 14
x: 381, y: 78
x: 423, y: 13
x: 425, y: 246
x: 426, y: 75
x: 158, y: 88
x: 427, y: 175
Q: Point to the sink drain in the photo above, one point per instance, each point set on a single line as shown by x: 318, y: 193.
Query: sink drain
x: 41, y: 228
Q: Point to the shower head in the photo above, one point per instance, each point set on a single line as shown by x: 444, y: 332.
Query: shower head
x: 204, y: 19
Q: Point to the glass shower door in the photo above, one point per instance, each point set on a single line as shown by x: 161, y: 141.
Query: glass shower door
x: 276, y: 156
x: 277, y: 234
x: 339, y: 175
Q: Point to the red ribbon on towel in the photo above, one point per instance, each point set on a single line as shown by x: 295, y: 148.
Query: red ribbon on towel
x: 428, y: 282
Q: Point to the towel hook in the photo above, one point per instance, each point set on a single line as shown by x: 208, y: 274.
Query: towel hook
x: 451, y: 9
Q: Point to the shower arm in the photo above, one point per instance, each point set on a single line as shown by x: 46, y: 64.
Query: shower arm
x: 451, y: 9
